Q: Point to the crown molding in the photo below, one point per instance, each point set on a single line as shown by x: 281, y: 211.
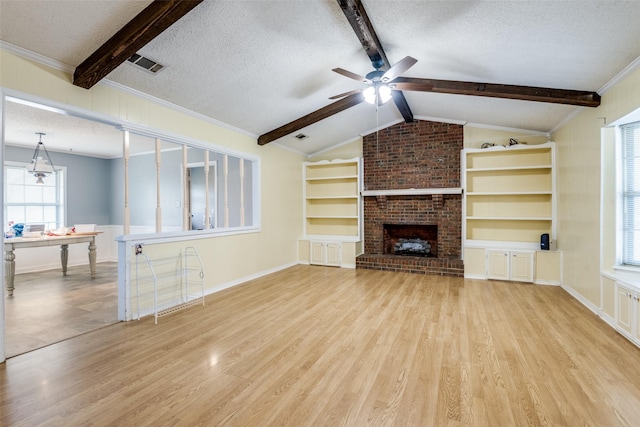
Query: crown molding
x: 36, y: 57
x: 509, y: 129
x: 635, y: 64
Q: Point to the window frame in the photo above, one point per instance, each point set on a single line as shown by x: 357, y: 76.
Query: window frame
x: 61, y: 193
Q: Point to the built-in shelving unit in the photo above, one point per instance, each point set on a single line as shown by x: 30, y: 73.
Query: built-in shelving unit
x: 332, y: 213
x: 509, y: 193
x: 332, y: 198
x: 508, y: 203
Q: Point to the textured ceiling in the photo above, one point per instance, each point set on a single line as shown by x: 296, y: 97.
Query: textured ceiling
x: 256, y: 65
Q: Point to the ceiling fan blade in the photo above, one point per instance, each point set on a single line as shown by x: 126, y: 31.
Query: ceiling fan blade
x: 351, y: 75
x: 311, y: 118
x: 525, y: 93
x: 416, y: 87
x: 357, y: 16
x: 342, y: 95
x: 401, y: 66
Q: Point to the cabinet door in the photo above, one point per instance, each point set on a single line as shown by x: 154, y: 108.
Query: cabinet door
x: 317, y: 255
x: 522, y: 266
x: 636, y: 316
x: 333, y: 254
x: 498, y: 264
x: 624, y: 309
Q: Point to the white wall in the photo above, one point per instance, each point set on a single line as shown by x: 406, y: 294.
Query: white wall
x: 579, y: 158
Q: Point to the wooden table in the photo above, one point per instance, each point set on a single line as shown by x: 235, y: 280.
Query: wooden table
x: 64, y: 241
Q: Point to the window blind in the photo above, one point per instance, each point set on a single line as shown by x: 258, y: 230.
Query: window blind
x: 630, y: 136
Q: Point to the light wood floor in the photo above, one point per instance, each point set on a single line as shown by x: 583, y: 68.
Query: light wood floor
x: 311, y: 346
x: 48, y: 307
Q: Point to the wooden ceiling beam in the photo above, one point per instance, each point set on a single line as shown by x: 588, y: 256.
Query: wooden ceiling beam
x: 357, y: 16
x: 525, y: 93
x: 147, y: 25
x: 311, y: 118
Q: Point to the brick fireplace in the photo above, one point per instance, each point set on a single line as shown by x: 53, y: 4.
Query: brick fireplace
x: 412, y: 186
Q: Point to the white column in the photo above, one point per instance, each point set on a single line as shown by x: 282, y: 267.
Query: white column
x: 158, y: 185
x: 186, y: 223
x: 241, y: 192
x: 125, y: 157
x: 207, y: 218
x: 225, y: 172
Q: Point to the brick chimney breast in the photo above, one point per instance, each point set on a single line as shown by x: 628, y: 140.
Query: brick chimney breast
x: 421, y: 154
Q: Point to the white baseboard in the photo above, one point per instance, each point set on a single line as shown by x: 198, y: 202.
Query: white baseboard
x: 244, y: 279
x: 582, y: 300
x: 475, y: 276
x: 547, y: 283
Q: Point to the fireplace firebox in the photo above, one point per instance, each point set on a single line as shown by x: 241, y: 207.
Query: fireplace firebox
x: 410, y: 240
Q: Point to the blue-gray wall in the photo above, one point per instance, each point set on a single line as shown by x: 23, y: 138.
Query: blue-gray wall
x: 89, y: 185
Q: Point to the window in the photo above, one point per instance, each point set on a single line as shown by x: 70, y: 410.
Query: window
x: 630, y: 139
x: 27, y: 202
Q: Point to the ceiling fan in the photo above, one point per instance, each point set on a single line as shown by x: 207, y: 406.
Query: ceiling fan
x: 380, y: 84
x: 388, y: 77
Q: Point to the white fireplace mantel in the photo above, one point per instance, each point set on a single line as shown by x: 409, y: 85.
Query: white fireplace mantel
x: 412, y: 191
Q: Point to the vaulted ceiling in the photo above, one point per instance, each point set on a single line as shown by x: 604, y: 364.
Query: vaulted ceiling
x: 257, y: 65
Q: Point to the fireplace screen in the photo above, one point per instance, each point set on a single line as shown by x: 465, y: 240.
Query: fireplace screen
x: 411, y: 240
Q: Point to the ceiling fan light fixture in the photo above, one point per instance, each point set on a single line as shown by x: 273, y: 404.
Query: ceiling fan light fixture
x: 385, y: 93
x: 370, y: 95
x: 377, y: 91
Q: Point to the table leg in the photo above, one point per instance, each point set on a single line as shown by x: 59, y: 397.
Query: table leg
x: 92, y: 258
x: 9, y: 270
x: 64, y: 257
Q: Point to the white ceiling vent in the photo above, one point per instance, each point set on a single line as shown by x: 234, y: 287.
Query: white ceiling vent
x: 301, y: 136
x: 145, y: 63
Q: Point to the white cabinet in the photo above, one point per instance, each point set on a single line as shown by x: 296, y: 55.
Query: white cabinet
x: 625, y: 309
x: 510, y: 265
x: 325, y: 253
x: 498, y: 264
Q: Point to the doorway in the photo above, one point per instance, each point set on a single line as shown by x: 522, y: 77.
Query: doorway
x: 203, y: 195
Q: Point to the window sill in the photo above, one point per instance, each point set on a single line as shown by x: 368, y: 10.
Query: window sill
x: 629, y: 276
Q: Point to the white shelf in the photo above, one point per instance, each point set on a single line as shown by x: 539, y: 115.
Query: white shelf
x: 507, y: 218
x: 331, y: 217
x: 519, y: 193
x: 331, y: 197
x: 412, y: 192
x: 328, y: 178
x: 509, y: 194
x: 513, y: 168
x: 332, y: 204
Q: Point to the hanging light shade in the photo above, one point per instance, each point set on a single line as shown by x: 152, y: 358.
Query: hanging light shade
x: 39, y: 166
x: 384, y: 92
x: 370, y: 95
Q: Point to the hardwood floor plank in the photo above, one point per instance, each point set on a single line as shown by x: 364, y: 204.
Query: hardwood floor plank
x: 311, y: 346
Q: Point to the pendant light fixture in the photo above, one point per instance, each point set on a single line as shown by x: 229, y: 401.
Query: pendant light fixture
x: 39, y: 167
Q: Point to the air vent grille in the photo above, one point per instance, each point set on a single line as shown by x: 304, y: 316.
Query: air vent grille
x: 301, y: 136
x: 145, y: 63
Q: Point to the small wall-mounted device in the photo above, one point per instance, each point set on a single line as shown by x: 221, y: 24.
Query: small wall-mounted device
x: 544, y: 242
